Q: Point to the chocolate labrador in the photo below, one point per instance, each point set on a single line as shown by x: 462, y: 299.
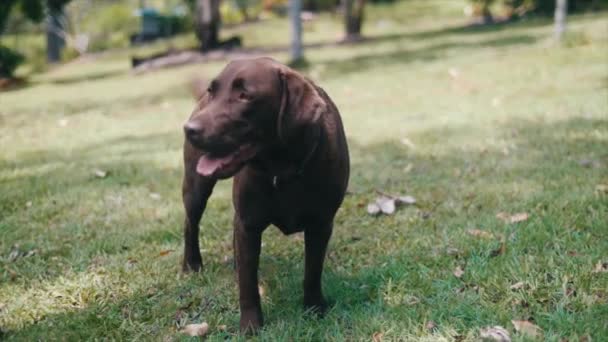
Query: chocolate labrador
x: 281, y: 137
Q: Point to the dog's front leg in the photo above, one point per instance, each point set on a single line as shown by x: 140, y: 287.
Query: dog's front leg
x: 248, y: 244
x: 196, y: 190
x: 315, y: 239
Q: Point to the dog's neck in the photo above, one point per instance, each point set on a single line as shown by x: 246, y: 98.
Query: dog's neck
x: 288, y: 162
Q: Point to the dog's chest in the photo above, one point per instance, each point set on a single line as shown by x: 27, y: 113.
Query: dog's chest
x: 297, y: 204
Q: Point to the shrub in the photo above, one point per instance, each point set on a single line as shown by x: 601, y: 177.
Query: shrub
x: 9, y: 61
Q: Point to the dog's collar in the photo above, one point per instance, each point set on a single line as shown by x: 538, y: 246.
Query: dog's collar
x: 277, y: 180
x: 286, y: 177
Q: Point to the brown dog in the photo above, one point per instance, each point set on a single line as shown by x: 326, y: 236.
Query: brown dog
x: 281, y: 137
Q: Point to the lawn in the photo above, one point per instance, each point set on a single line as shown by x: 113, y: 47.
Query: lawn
x: 472, y: 122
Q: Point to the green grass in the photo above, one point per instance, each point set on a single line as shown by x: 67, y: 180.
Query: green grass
x: 497, y: 119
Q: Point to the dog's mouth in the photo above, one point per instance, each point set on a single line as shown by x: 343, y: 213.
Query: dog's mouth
x: 225, y: 166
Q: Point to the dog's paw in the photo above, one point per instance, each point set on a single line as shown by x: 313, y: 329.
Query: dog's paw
x: 251, y: 323
x: 191, y: 266
x: 316, y: 306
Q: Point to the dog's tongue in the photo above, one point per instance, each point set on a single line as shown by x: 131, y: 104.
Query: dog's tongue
x: 207, y: 166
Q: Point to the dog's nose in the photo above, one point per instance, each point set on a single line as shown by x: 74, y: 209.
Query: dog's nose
x: 192, y: 130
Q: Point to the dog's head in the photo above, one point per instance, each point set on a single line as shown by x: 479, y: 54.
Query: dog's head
x: 251, y: 105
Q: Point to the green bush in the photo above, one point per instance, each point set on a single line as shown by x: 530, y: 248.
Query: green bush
x: 110, y: 26
x: 9, y: 61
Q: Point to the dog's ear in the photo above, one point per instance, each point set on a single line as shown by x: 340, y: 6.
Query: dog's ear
x: 301, y: 105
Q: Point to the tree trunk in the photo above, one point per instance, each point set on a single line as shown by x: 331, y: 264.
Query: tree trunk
x: 353, y: 16
x: 207, y: 23
x: 55, y: 38
x: 561, y: 10
x: 295, y: 9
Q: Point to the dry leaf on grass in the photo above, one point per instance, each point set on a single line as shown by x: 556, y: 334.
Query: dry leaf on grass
x: 407, y: 142
x: 154, y: 196
x: 387, y: 204
x: 527, y: 328
x: 517, y: 286
x: 166, y: 252
x: 515, y: 218
x: 430, y: 325
x: 601, y: 267
x: 377, y: 337
x: 100, y: 173
x: 495, y: 333
x: 261, y: 290
x: 480, y: 233
x: 458, y: 272
x: 196, y: 329
x: 500, y: 250
x: 373, y: 209
x: 602, y: 188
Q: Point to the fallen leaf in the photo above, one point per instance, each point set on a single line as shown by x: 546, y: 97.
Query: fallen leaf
x: 458, y: 272
x: 430, y: 325
x: 480, y: 233
x: 496, y: 102
x: 373, y: 209
x: 377, y: 336
x: 387, y: 205
x: 500, y: 250
x: 407, y: 200
x: 195, y: 329
x: 155, y: 196
x: 261, y: 290
x: 517, y: 286
x: 100, y: 173
x: 166, y: 252
x: 601, y: 267
x: 454, y: 72
x: 62, y: 122
x: 527, y: 328
x: 495, y: 333
x: 408, y: 168
x: 515, y: 218
x: 602, y: 188
x: 130, y: 263
x: 222, y: 327
x: 452, y: 251
x: 407, y: 142
x: 28, y: 204
x: 15, y: 253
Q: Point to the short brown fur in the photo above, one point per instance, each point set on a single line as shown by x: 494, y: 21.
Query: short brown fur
x: 296, y: 180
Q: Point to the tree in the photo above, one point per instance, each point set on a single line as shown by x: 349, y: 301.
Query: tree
x: 9, y: 59
x: 353, y: 18
x: 55, y: 29
x: 295, y: 9
x: 207, y: 23
x: 561, y: 10
x: 482, y: 8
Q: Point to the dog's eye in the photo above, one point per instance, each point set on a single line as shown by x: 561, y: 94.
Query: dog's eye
x: 212, y: 87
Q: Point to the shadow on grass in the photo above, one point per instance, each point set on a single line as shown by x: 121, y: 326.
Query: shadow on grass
x: 433, y: 52
x: 89, y: 77
x: 366, y: 252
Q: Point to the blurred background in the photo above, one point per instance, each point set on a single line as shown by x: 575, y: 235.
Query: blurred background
x: 489, y: 116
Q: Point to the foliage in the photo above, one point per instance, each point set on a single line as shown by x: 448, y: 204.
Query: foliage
x: 544, y: 7
x: 110, y: 26
x: 9, y: 61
